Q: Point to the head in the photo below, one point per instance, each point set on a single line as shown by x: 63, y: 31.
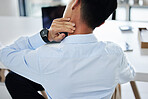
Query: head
x: 93, y: 13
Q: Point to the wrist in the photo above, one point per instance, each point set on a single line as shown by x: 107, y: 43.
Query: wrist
x: 36, y: 41
x: 50, y: 36
x: 44, y: 35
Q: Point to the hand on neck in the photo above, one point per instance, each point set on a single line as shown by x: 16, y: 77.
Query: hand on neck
x: 81, y: 30
x: 73, y: 11
x: 81, y: 27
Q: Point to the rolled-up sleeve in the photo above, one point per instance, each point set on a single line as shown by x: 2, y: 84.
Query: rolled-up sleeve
x: 22, y: 57
x: 126, y: 70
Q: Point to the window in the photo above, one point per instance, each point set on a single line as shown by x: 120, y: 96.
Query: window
x: 33, y: 7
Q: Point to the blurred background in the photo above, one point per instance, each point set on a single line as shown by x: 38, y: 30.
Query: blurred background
x: 128, y: 10
x: 132, y: 10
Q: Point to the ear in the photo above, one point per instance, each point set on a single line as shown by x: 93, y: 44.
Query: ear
x: 75, y: 4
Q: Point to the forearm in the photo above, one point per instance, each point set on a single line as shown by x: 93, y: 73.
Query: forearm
x: 22, y: 58
x: 31, y: 43
x: 24, y: 43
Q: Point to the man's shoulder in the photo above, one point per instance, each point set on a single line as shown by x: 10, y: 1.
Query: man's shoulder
x: 50, y: 50
x: 111, y: 48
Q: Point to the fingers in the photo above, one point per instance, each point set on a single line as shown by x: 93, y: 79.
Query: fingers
x: 65, y: 23
x: 65, y: 28
x: 62, y: 19
x: 59, y: 37
x: 60, y: 25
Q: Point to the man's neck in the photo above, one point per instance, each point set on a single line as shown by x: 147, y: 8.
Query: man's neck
x: 81, y: 28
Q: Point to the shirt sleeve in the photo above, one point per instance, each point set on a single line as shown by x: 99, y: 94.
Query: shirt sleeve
x: 126, y: 70
x: 22, y: 57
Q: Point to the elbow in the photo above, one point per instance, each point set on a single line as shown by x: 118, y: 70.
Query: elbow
x: 127, y: 77
x: 6, y: 57
x: 3, y: 58
x: 133, y: 75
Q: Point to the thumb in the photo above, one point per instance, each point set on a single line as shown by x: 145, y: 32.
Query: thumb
x: 59, y: 37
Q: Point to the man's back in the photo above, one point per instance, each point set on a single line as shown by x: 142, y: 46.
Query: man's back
x: 79, y: 68
x: 83, y: 68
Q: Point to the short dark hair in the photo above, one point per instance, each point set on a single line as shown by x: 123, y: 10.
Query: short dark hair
x: 95, y: 12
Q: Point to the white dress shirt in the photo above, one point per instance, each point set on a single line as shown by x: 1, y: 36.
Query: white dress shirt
x: 80, y: 67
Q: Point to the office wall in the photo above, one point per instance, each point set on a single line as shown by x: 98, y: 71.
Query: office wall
x: 9, y: 8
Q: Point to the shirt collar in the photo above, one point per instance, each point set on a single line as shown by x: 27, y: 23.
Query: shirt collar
x: 82, y: 38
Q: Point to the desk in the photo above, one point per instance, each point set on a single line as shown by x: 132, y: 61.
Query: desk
x: 11, y: 28
x: 138, y: 57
